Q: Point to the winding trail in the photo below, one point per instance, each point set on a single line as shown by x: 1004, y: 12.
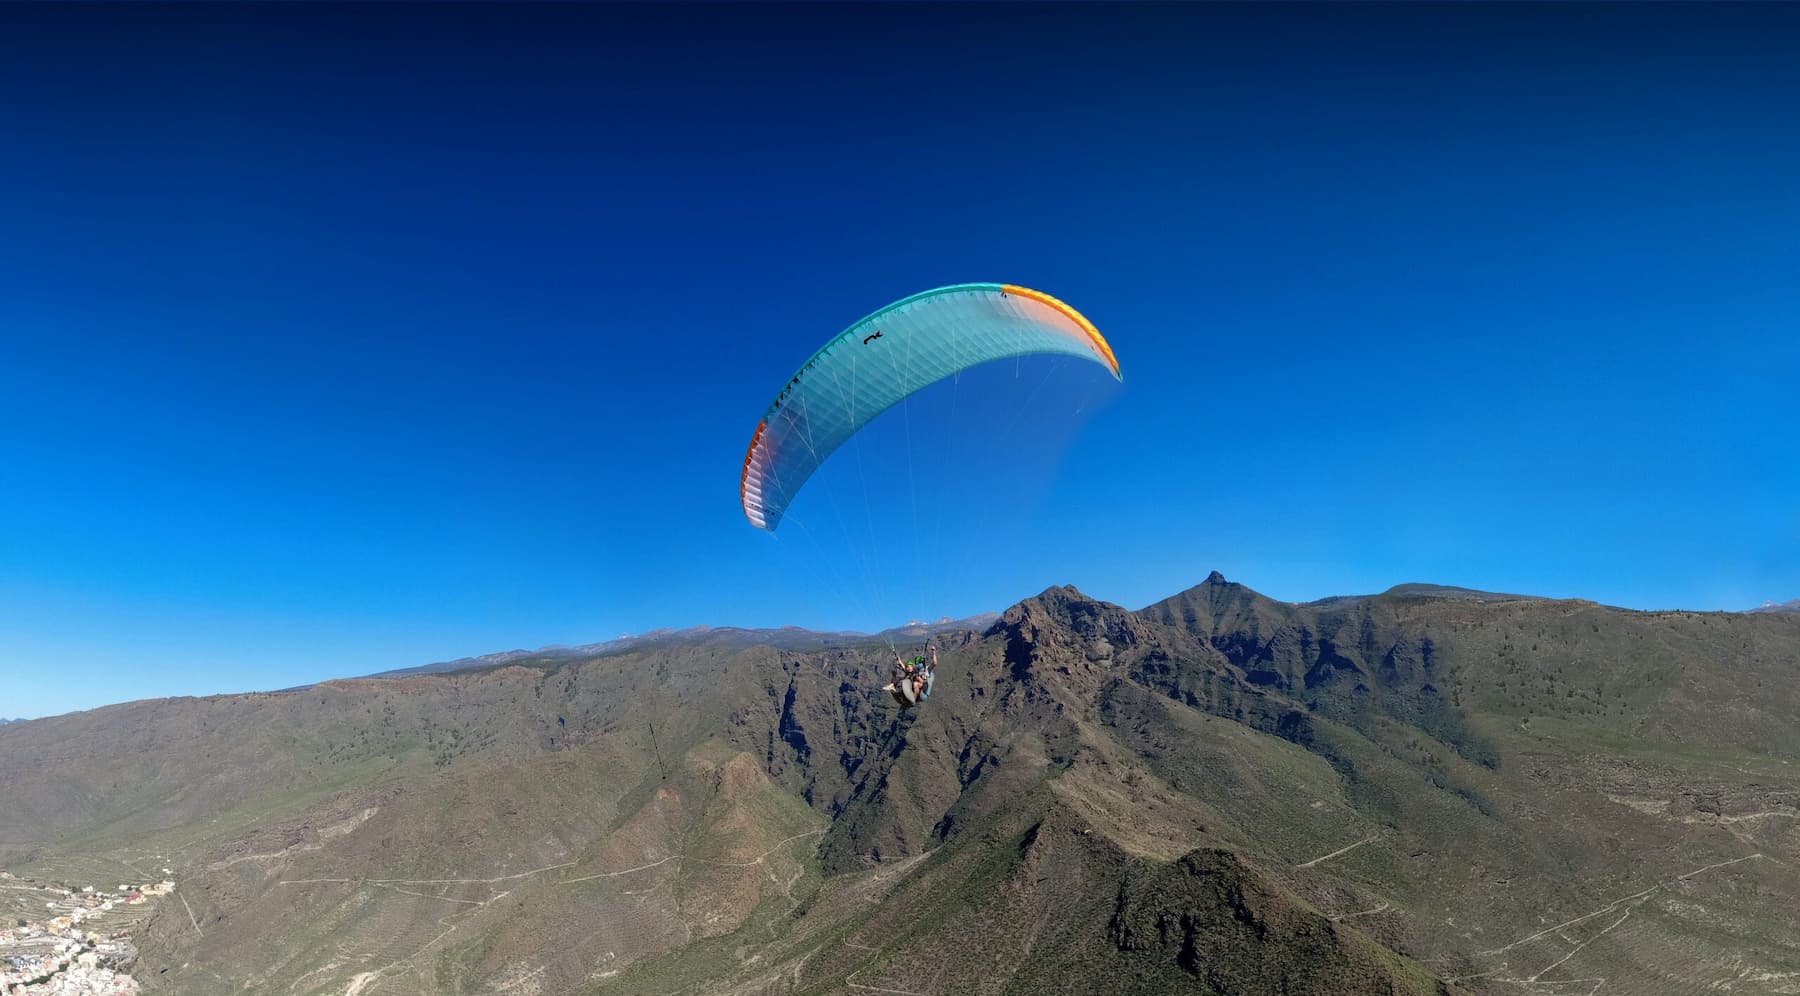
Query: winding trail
x: 365, y: 980
x: 427, y: 895
x: 1765, y: 814
x: 190, y: 912
x: 429, y: 881
x: 1720, y: 864
x: 877, y: 989
x: 627, y: 871
x: 1340, y: 851
x: 1623, y: 906
x: 759, y: 859
x: 1383, y: 908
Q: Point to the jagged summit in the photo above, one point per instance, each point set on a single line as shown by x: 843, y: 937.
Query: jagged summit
x: 1214, y: 605
x: 1065, y: 606
x: 1056, y: 594
x: 1791, y: 606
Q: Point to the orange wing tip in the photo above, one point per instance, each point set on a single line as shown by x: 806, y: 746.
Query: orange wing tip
x: 1077, y: 317
x: 744, y: 477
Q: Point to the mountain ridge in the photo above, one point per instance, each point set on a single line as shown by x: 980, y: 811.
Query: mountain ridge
x: 1219, y: 792
x: 786, y: 636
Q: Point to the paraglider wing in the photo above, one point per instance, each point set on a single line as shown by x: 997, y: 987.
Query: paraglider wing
x: 875, y: 363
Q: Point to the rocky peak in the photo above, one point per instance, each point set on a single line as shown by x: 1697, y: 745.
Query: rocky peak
x: 1214, y: 605
x: 1067, y: 640
x: 1065, y: 615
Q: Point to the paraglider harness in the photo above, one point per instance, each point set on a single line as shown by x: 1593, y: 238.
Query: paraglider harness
x: 901, y: 688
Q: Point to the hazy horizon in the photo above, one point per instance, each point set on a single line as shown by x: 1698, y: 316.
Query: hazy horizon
x: 527, y: 646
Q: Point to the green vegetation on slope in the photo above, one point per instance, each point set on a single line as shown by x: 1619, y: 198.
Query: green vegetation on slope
x: 1218, y: 793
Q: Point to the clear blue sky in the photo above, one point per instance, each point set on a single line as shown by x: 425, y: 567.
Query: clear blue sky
x: 335, y: 339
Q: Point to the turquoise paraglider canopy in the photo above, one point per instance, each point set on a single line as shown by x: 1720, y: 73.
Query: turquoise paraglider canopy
x: 875, y: 363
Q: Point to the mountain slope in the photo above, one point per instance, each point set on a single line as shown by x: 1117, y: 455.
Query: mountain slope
x: 1217, y: 793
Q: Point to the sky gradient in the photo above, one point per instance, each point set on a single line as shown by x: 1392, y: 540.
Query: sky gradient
x: 343, y: 338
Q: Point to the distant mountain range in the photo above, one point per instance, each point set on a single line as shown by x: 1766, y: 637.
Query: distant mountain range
x: 785, y: 638
x: 797, y: 638
x: 1430, y: 791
